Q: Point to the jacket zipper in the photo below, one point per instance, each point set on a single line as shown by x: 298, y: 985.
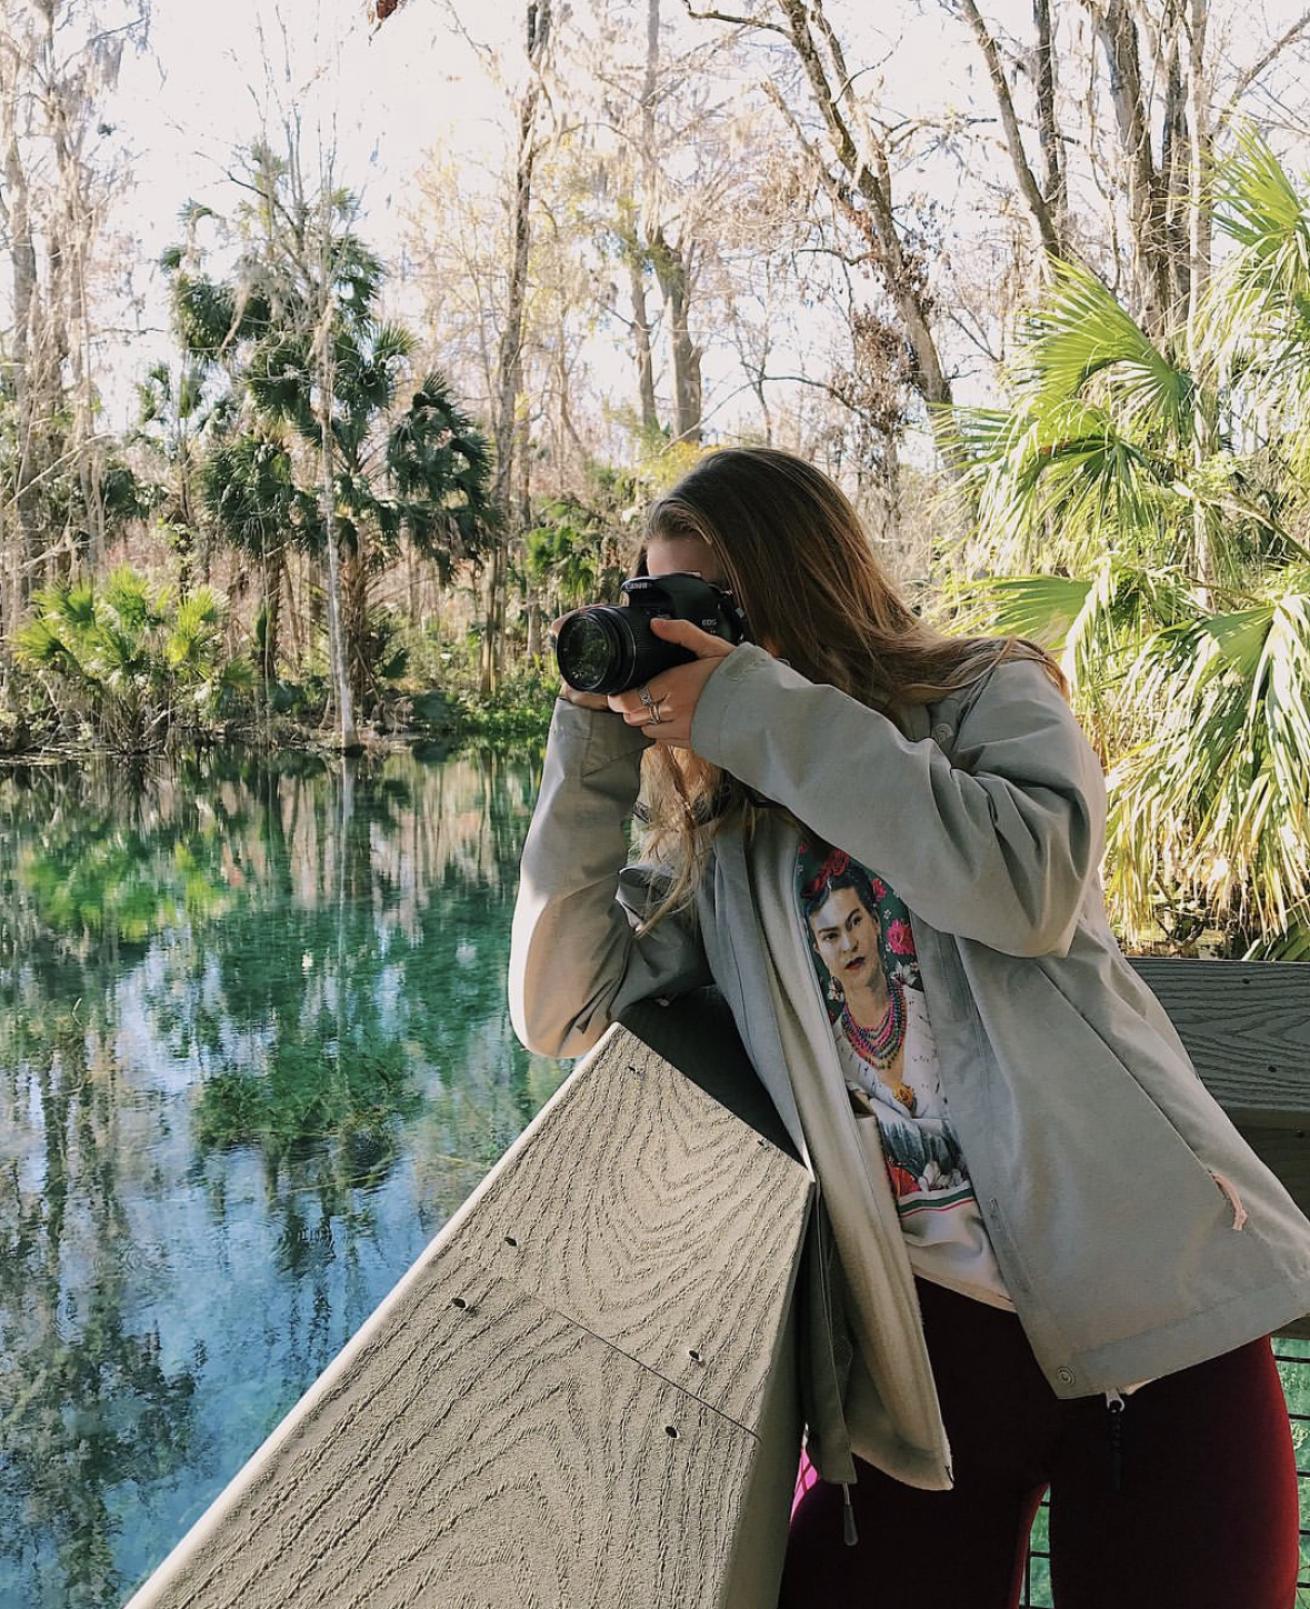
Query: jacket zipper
x: 1114, y: 1407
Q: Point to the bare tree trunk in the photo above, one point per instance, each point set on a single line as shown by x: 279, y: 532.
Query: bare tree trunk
x: 273, y: 568
x: 671, y: 269
x: 1054, y: 177
x: 1199, y: 164
x: 337, y: 648
x: 635, y: 257
x: 1149, y: 245
x: 509, y: 367
x: 15, y: 210
x: 1198, y: 271
x: 1039, y: 209
x: 636, y: 251
x: 73, y: 225
x: 354, y: 615
x: 671, y: 260
x: 1175, y: 158
x: 865, y: 172
x: 534, y: 628
x: 296, y: 606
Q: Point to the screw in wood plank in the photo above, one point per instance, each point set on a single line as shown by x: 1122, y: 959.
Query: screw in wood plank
x: 510, y: 1240
x: 670, y: 1430
x: 633, y: 1068
x: 694, y: 1354
x: 458, y: 1301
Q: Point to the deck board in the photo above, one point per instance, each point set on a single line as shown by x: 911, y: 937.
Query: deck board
x: 495, y: 1455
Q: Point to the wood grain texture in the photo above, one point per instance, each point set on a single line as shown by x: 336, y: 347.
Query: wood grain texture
x: 480, y: 1447
x: 490, y: 1455
x: 1246, y: 1025
x: 648, y: 1212
x: 697, y: 1035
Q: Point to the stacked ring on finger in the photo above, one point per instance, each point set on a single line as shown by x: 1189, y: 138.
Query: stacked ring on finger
x: 652, y: 704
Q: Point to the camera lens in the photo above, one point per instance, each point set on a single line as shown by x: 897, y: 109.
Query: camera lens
x: 594, y: 649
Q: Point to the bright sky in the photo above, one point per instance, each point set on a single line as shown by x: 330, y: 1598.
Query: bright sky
x: 390, y: 94
x: 383, y: 97
x: 386, y: 95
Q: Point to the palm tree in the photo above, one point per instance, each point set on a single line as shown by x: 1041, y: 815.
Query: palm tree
x: 125, y: 659
x: 173, y: 413
x: 1140, y: 518
x: 571, y: 553
x: 332, y: 440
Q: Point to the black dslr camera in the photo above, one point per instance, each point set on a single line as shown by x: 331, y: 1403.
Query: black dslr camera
x: 606, y: 648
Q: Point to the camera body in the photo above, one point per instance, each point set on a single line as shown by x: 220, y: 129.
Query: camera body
x: 608, y: 648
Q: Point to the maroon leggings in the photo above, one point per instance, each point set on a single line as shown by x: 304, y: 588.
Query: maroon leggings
x: 1205, y: 1516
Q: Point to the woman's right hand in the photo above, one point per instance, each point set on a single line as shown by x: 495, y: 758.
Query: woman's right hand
x: 588, y: 701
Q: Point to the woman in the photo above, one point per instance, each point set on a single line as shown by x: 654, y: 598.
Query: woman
x: 1127, y: 1254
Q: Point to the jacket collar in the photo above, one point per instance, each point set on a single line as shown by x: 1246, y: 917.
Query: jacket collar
x: 917, y: 719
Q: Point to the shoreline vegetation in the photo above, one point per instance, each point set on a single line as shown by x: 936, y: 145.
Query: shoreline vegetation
x: 516, y: 715
x: 129, y: 666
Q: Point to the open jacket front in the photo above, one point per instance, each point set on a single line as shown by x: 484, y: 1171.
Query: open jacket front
x: 1136, y: 1230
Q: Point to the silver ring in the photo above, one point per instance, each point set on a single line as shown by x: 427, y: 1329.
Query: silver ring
x: 643, y: 693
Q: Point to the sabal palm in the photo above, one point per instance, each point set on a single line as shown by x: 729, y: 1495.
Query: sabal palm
x: 174, y: 409
x: 128, y: 659
x: 1135, y: 524
x: 407, y: 461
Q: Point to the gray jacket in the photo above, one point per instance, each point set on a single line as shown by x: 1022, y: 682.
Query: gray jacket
x: 1136, y: 1230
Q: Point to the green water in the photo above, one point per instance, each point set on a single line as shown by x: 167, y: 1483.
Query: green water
x: 254, y: 1051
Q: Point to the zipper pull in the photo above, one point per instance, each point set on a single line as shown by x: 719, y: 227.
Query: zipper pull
x: 849, y: 1534
x: 1114, y: 1406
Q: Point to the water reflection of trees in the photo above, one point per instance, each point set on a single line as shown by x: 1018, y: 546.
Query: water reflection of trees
x: 86, y: 1403
x: 227, y: 960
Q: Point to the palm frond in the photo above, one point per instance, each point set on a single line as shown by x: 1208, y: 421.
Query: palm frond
x: 1079, y: 331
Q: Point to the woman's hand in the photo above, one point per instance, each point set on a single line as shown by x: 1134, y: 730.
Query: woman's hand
x: 676, y: 692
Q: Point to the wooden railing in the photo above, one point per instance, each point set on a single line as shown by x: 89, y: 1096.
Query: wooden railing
x: 584, y: 1392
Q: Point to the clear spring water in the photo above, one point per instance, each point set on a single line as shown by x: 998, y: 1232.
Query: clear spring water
x: 254, y: 1050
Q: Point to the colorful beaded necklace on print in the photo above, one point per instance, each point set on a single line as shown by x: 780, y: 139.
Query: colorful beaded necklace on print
x: 879, y: 1045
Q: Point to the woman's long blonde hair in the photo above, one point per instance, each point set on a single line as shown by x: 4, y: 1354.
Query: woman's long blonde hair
x: 801, y: 566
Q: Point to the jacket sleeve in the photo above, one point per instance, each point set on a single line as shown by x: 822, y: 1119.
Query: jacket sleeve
x: 575, y: 962
x: 998, y: 845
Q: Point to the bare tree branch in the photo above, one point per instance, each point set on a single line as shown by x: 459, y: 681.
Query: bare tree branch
x: 740, y: 22
x: 1028, y: 186
x: 1248, y: 77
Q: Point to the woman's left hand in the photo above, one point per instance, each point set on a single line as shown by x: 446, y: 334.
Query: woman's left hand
x: 675, y: 692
